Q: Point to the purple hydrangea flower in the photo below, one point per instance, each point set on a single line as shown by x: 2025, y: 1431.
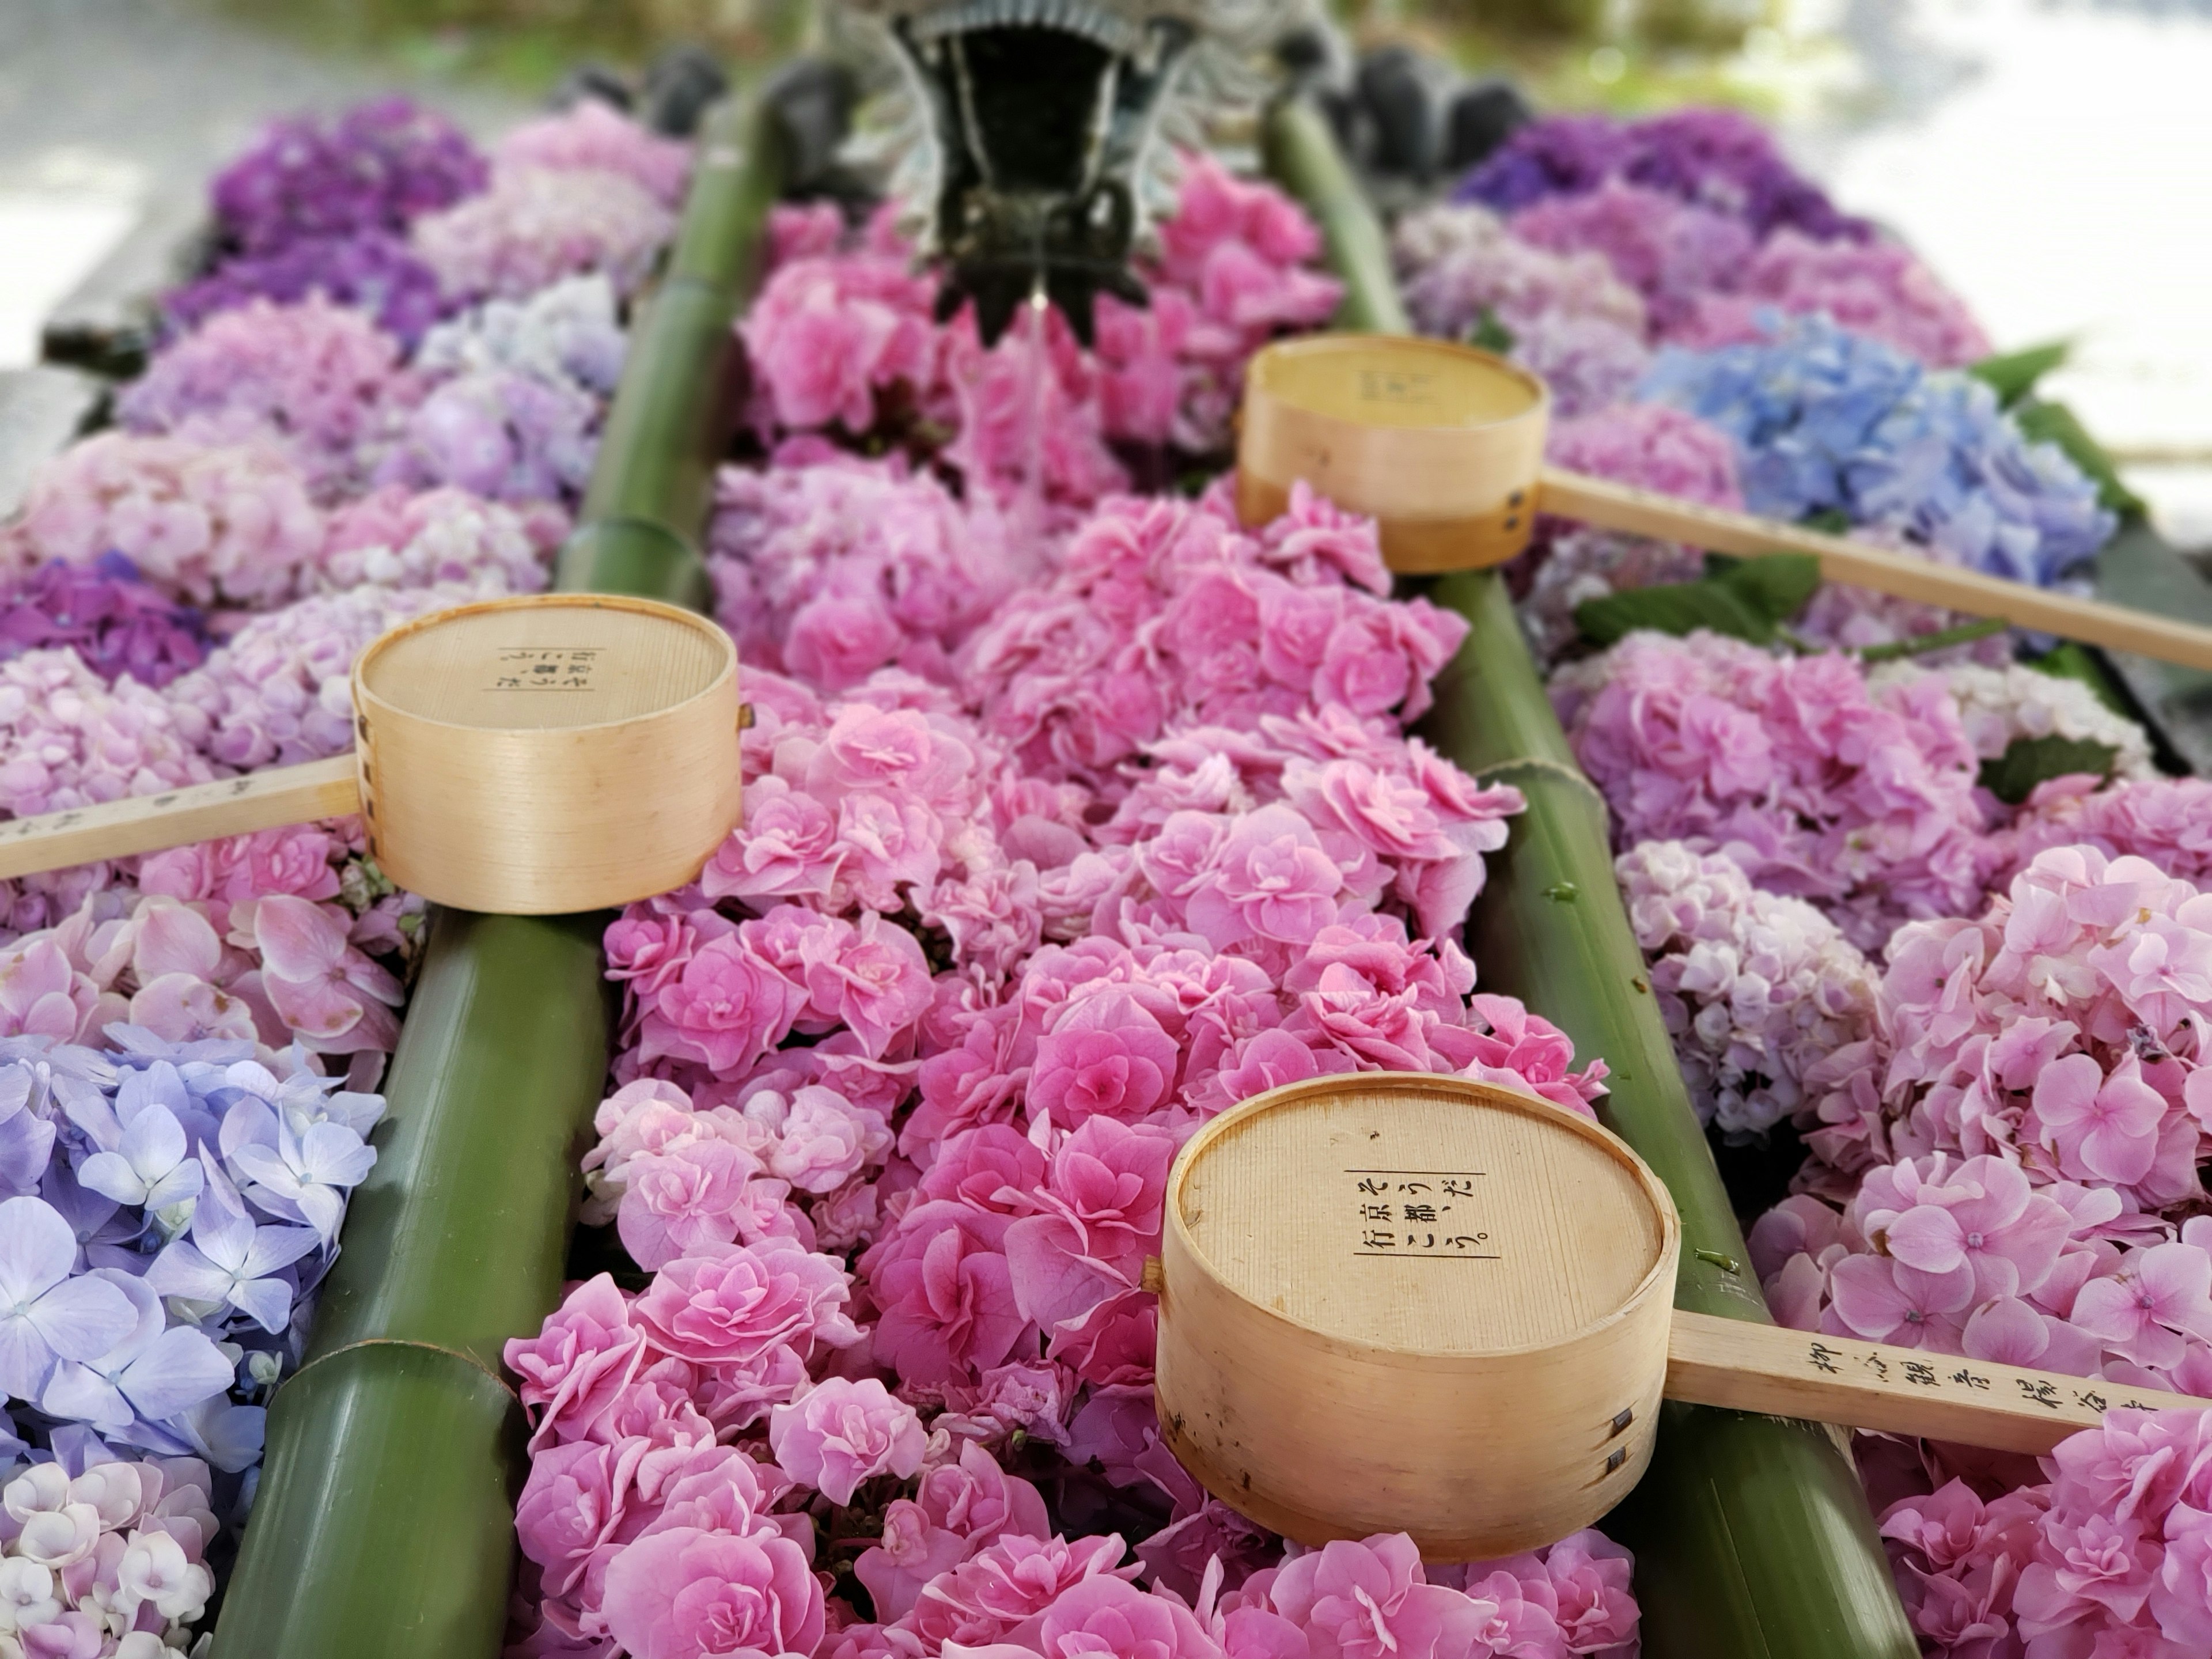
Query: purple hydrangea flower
x: 379, y: 166
x: 375, y: 271
x: 112, y: 620
x: 1718, y: 159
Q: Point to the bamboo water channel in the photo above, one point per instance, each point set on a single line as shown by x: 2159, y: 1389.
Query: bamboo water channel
x: 384, y: 1523
x: 1753, y: 1539
x: 384, y: 1520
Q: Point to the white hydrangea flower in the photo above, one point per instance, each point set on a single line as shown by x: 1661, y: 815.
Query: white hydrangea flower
x: 1999, y: 705
x: 1754, y: 987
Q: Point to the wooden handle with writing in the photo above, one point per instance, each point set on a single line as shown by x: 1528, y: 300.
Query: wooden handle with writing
x: 1645, y: 512
x: 1870, y: 1385
x: 178, y: 817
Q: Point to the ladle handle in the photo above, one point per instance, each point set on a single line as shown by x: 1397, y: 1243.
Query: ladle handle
x: 1872, y: 1385
x: 176, y: 818
x: 1645, y: 512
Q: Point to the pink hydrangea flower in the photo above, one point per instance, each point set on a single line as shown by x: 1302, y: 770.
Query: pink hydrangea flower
x: 688, y: 1594
x: 841, y: 1432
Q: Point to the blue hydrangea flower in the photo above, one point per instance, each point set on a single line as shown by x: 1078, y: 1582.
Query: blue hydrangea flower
x: 1828, y: 420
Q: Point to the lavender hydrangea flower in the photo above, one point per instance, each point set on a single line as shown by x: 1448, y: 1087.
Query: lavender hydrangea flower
x: 158, y: 1371
x: 379, y: 166
x: 570, y: 334
x: 46, y: 1314
x: 278, y: 691
x: 229, y: 1261
x: 150, y: 1165
x: 114, y: 622
x: 499, y: 435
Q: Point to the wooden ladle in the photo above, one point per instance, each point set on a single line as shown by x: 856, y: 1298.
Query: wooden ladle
x: 1444, y: 446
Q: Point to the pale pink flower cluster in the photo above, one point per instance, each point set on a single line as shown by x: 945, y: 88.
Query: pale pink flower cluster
x: 231, y: 524
x: 592, y: 137
x: 2025, y: 1125
x: 445, y: 538
x: 1756, y: 988
x: 1877, y: 288
x: 2165, y: 820
x: 1165, y: 613
x: 1859, y: 797
x: 2110, y: 1555
x: 321, y: 383
x: 240, y: 939
x: 108, y: 1562
x: 1651, y: 446
x: 68, y: 739
x: 537, y: 224
x: 830, y: 571
x: 2058, y: 1028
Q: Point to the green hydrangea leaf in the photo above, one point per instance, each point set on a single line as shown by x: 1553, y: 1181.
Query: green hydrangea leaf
x: 2012, y: 374
x: 2026, y: 761
x: 1746, y: 598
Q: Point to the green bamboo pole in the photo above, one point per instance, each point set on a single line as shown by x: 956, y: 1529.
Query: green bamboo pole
x: 1753, y: 1537
x: 384, y: 1524
x: 1301, y: 152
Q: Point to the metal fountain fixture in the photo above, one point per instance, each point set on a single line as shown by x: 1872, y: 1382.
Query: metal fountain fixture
x: 1032, y: 141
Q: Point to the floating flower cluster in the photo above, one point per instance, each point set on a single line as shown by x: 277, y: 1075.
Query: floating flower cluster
x: 593, y: 137
x: 1165, y: 613
x: 905, y: 1070
x: 1878, y: 290
x: 115, y: 623
x: 537, y: 224
x: 378, y: 167
x: 1565, y: 317
x: 231, y: 524
x: 2003, y: 706
x: 831, y: 571
x: 2167, y: 821
x: 324, y: 207
x: 207, y: 1180
x: 105, y: 1556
